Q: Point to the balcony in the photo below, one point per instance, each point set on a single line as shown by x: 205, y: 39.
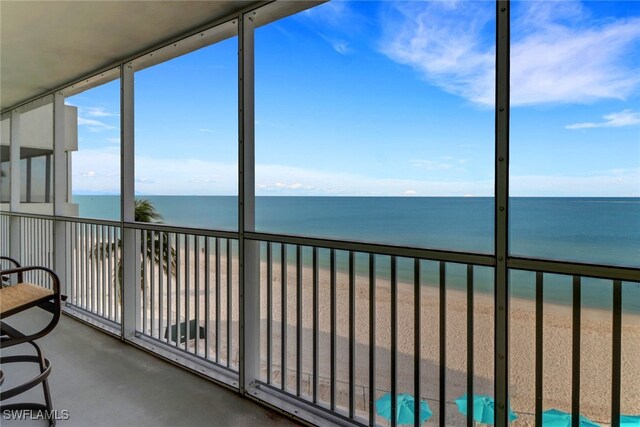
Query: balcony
x: 234, y: 322
x: 346, y: 311
x: 99, y: 380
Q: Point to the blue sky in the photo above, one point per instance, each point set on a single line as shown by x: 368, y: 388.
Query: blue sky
x: 388, y: 99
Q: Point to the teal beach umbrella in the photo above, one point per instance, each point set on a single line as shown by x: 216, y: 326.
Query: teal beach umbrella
x: 556, y: 418
x: 483, y: 409
x: 405, y: 408
x: 629, y: 420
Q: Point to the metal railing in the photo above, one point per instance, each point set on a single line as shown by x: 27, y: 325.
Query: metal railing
x: 344, y: 323
x: 189, y: 285
x: 4, y: 232
x: 93, y: 267
x: 323, y: 342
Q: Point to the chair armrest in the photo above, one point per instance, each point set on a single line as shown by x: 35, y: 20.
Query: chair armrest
x: 54, y: 301
x: 16, y: 264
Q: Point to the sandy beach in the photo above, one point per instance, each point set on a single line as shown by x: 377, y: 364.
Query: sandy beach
x: 596, y: 344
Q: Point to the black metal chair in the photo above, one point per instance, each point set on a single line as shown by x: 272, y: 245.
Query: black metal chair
x: 17, y: 298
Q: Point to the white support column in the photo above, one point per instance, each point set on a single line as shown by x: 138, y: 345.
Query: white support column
x: 60, y: 195
x: 249, y: 251
x: 14, y: 203
x: 131, y: 279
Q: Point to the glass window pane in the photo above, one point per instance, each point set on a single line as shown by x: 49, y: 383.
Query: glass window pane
x: 93, y: 145
x: 575, y: 136
x: 36, y: 156
x: 186, y: 135
x: 5, y: 170
x: 374, y: 122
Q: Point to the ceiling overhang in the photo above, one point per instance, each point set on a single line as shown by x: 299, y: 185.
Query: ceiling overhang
x: 47, y: 44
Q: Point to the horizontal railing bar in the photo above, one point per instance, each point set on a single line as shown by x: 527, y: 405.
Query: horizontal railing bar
x: 94, y: 221
x: 97, y: 317
x: 182, y: 230
x: 319, y: 408
x: 575, y: 268
x: 179, y: 351
x: 378, y: 249
x: 519, y: 263
x: 27, y: 215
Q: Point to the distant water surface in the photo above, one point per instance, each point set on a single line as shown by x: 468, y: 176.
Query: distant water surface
x: 593, y: 230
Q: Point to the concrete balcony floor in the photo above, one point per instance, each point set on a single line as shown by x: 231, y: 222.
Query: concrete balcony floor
x: 102, y: 381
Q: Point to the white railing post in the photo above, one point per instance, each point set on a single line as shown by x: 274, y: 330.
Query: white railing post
x: 129, y: 255
x: 248, y: 250
x: 14, y: 202
x: 60, y: 193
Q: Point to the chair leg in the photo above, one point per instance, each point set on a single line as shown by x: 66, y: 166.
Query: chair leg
x: 45, y: 384
x: 45, y: 370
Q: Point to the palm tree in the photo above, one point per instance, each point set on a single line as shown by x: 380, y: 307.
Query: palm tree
x: 157, y: 246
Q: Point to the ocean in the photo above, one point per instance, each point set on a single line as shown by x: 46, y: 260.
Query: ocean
x: 593, y: 230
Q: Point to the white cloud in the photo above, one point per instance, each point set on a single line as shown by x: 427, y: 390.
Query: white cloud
x: 613, y: 120
x: 94, y: 125
x: 98, y: 171
x: 430, y: 165
x: 206, y: 130
x: 339, y: 45
x: 558, y: 55
x: 96, y: 112
x: 291, y: 180
x: 340, y: 19
x: 610, y: 183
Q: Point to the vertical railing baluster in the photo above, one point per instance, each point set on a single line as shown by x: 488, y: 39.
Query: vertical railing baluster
x: 162, y: 300
x: 152, y: 280
x: 372, y: 340
x: 76, y: 264
x: 229, y: 302
x: 196, y: 306
x: 92, y: 269
x: 166, y: 246
x: 98, y: 268
x: 207, y: 295
x: 283, y: 316
x: 470, y: 362
x: 110, y: 255
x: 616, y: 353
x: 443, y: 342
x: 417, y: 347
x: 394, y: 341
x: 117, y: 265
x: 298, y: 319
x: 187, y: 291
x: 218, y: 292
x: 105, y: 283
x: 112, y: 262
x: 145, y: 289
x: 332, y: 314
x: 539, y: 346
x: 85, y: 267
x: 269, y: 309
x: 178, y: 279
x: 575, y: 363
x: 316, y: 326
x: 352, y: 333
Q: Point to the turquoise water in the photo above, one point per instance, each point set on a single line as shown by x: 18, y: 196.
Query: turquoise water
x: 595, y: 230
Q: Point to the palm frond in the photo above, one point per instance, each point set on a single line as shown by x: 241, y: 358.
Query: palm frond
x: 146, y: 212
